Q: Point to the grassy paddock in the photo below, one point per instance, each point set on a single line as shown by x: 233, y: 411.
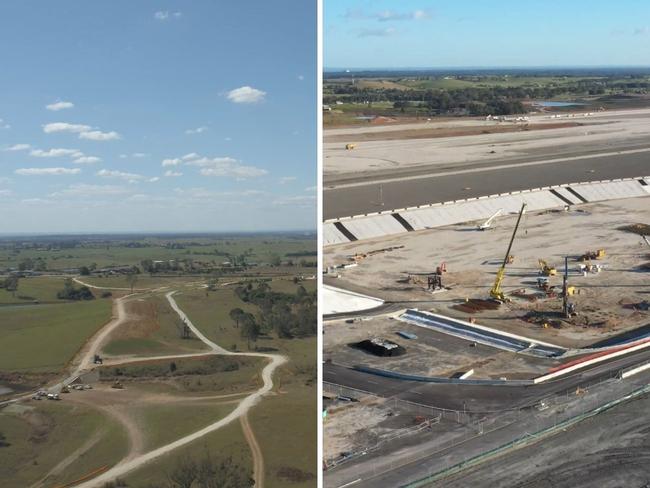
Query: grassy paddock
x: 45, y: 337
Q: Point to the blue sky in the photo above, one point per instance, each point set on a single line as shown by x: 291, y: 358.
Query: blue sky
x: 157, y: 116
x: 460, y: 33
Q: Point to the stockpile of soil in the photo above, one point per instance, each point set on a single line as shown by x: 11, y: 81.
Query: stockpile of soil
x: 380, y: 347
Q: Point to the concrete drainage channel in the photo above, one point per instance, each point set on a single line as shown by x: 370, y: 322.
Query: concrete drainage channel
x: 397, y: 221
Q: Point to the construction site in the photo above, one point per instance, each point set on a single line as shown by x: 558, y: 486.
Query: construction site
x: 530, y: 310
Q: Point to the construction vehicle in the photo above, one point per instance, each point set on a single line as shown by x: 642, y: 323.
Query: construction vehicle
x: 545, y: 269
x: 496, y: 292
x: 488, y: 223
x: 589, y: 255
x: 349, y: 147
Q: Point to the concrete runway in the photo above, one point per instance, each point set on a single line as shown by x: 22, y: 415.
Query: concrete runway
x: 380, y: 192
x: 477, y: 398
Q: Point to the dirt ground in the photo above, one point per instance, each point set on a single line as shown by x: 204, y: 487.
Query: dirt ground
x: 352, y: 427
x: 448, y: 143
x: 473, y: 258
x: 431, y: 354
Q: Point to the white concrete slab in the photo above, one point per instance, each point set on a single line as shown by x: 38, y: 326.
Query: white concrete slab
x: 338, y: 300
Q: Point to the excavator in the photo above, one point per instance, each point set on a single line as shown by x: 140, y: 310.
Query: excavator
x: 496, y: 292
x: 545, y: 269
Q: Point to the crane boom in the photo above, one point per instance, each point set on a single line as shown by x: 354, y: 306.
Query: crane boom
x: 496, y: 291
x: 488, y: 222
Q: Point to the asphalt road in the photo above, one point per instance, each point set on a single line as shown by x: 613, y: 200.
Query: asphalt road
x: 476, y: 398
x: 365, y: 194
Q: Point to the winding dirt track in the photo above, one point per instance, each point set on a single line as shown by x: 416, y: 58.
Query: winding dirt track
x: 131, y: 463
x: 258, y: 458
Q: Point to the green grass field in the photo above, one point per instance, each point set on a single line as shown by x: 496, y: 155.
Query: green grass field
x: 43, y: 338
x: 226, y: 442
x: 40, y: 289
x: 163, y: 424
x: 260, y: 249
x: 44, y: 433
x: 153, y: 333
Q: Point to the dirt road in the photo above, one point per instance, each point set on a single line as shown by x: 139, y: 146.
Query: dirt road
x: 240, y: 411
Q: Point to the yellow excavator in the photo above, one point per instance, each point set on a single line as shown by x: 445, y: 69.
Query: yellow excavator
x: 496, y: 291
x: 545, y: 269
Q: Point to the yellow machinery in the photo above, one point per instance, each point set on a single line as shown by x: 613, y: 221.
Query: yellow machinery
x: 350, y: 146
x: 496, y: 291
x: 598, y: 254
x: 545, y: 269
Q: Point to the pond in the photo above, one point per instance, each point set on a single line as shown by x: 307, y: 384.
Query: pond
x: 548, y: 103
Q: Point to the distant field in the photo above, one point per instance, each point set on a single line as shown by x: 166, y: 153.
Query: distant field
x: 258, y: 249
x: 41, y: 289
x: 42, y: 434
x: 43, y: 338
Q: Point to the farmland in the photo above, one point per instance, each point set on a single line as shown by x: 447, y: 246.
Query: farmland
x: 187, y: 344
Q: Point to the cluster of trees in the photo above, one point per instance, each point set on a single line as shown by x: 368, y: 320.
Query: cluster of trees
x: 10, y: 283
x: 286, y: 314
x: 484, y: 98
x: 70, y: 292
x: 37, y: 264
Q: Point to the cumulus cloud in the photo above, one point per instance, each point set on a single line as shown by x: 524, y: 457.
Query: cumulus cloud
x: 85, y: 131
x: 287, y: 179
x: 47, y: 171
x: 246, y: 94
x: 137, y: 155
x: 163, y: 15
x: 18, y: 147
x: 56, y: 106
x: 172, y: 162
x: 87, y: 160
x: 65, y: 127
x: 641, y: 31
x: 170, y: 173
x: 198, y: 130
x: 128, y: 177
x: 4, y: 125
x: 153, y: 180
x: 56, y: 153
x: 97, y: 135
x: 386, y: 15
x: 226, y: 166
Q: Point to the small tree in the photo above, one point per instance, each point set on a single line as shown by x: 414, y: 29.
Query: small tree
x: 236, y: 315
x: 131, y: 279
x: 250, y: 329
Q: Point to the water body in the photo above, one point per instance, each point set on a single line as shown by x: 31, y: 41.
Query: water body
x: 4, y: 390
x: 546, y: 103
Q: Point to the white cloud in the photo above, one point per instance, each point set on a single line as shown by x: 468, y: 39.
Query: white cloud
x: 389, y: 31
x: 35, y: 201
x: 287, y: 179
x: 170, y: 173
x: 172, y: 162
x: 87, y: 160
x: 198, y: 130
x: 246, y: 94
x: 191, y: 156
x: 65, y: 127
x: 153, y: 180
x: 310, y: 188
x: 19, y: 147
x: 86, y: 190
x: 4, y: 125
x: 386, y: 15
x: 97, y: 135
x: 301, y: 77
x: 166, y: 15
x: 226, y: 166
x: 297, y: 201
x: 56, y: 153
x: 129, y: 177
x: 55, y: 107
x: 47, y: 171
x: 5, y: 193
x: 137, y: 155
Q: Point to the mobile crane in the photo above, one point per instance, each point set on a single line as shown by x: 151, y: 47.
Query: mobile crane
x: 496, y: 292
